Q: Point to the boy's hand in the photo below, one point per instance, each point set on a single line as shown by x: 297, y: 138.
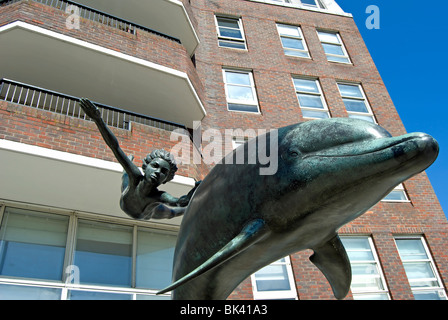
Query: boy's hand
x: 90, y: 109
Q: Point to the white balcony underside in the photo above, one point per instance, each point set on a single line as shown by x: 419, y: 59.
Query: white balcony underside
x: 53, y: 61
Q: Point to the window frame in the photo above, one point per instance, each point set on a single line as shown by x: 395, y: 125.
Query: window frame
x: 369, y: 112
x: 301, y: 37
x: 359, y: 292
x: 279, y: 294
x: 429, y: 260
x: 241, y: 102
x: 340, y: 43
x: 319, y: 94
x: 64, y: 284
x: 227, y: 39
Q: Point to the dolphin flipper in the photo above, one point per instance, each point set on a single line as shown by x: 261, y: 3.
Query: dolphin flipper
x: 253, y: 232
x: 333, y: 262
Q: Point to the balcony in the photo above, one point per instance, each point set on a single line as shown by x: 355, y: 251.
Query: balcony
x: 57, y: 175
x: 49, y: 59
x: 167, y: 16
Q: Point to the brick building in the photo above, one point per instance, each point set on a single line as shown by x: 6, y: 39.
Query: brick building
x: 154, y: 67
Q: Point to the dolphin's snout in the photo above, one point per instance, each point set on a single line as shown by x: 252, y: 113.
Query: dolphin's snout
x: 425, y: 145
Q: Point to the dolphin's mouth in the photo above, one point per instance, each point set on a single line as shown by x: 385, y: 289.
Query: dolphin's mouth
x: 411, y: 144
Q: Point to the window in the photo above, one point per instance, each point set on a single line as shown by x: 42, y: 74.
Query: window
x: 310, y: 98
x: 275, y: 281
x: 333, y: 46
x: 306, y: 3
x: 240, y: 91
x: 63, y: 256
x: 32, y: 245
x: 103, y: 246
x: 367, y: 278
x: 355, y: 102
x: 230, y: 33
x: 420, y: 269
x: 292, y: 41
x: 397, y: 195
x: 313, y: 3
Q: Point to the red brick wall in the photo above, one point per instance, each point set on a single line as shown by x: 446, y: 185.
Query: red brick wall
x: 63, y: 133
x: 272, y: 69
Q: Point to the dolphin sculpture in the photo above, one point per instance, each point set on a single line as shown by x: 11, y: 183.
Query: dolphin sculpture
x: 329, y: 173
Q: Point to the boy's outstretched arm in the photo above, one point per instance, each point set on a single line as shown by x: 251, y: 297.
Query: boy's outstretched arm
x: 93, y: 112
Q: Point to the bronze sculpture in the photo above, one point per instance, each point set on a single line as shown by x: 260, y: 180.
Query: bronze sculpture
x: 329, y: 173
x: 140, y: 198
x: 237, y: 220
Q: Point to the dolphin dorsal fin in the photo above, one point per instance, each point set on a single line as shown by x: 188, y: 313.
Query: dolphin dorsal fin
x: 333, y: 262
x: 253, y: 232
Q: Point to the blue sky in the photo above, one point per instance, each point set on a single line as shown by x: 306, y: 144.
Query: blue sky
x: 411, y: 56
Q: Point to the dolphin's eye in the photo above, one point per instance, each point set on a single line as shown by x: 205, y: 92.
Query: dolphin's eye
x: 293, y: 153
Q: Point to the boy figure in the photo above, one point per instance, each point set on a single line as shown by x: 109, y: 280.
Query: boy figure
x: 140, y: 198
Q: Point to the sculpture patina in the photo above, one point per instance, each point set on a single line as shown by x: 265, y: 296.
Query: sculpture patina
x: 140, y: 198
x: 329, y: 173
x: 237, y: 221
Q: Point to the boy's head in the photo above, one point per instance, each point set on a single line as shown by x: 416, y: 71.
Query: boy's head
x: 164, y: 155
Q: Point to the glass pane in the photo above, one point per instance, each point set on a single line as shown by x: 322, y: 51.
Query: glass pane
x: 315, y: 114
x: 366, y: 118
x: 355, y: 105
x: 338, y: 59
x: 371, y: 296
x: 32, y: 244
x: 350, y: 91
x: 232, y: 44
x: 411, y: 249
x: 238, y: 78
x: 231, y: 33
x: 424, y: 283
x: 152, y: 297
x: 272, y: 278
x: 309, y: 3
x: 240, y: 93
x: 288, y: 30
x: 95, y: 295
x: 306, y: 85
x: 155, y: 253
x: 292, y: 43
x: 358, y: 249
x: 328, y: 37
x: 418, y: 270
x: 396, y: 195
x: 242, y: 107
x: 351, y: 244
x: 366, y: 283
x: 104, y: 253
x: 12, y: 292
x: 310, y: 101
x: 364, y: 269
x: 429, y: 295
x: 229, y: 23
x: 295, y: 53
x: 333, y: 49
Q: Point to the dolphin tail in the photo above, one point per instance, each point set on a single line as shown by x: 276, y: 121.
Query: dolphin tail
x: 253, y: 232
x: 333, y: 262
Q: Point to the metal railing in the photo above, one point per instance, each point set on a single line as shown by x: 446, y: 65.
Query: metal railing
x: 43, y: 99
x: 96, y: 15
